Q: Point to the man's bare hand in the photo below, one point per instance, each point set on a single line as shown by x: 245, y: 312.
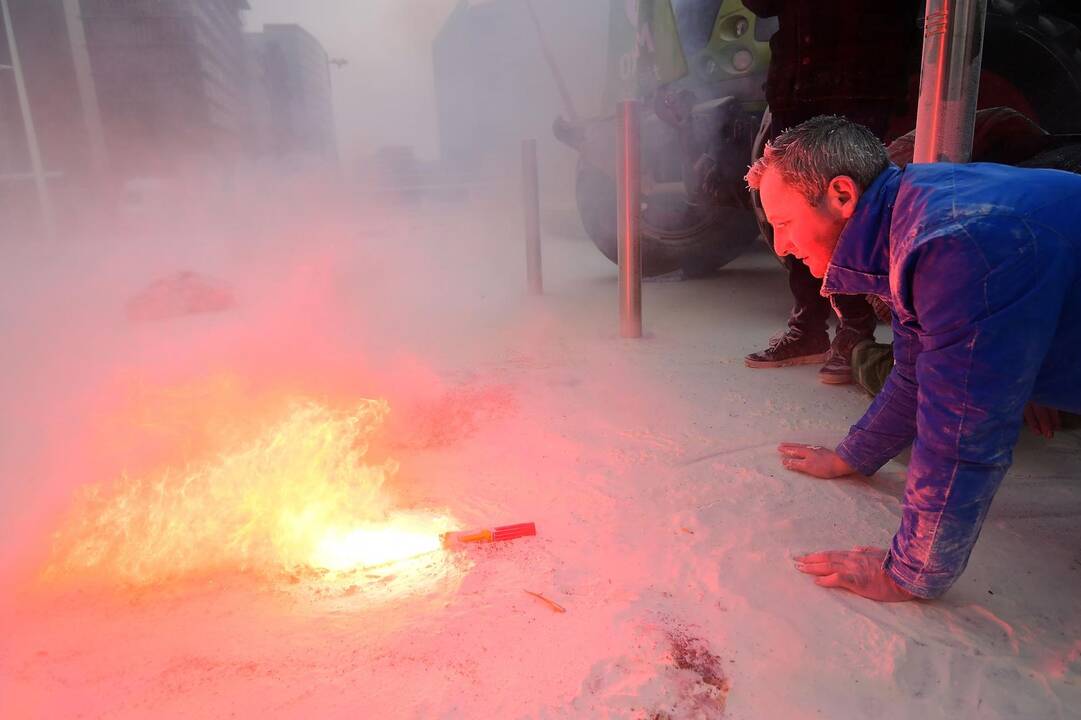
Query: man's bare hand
x: 1042, y: 419
x: 858, y: 570
x: 813, y: 460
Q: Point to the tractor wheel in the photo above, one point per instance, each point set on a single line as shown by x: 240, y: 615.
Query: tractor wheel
x: 675, y: 233
x: 1032, y: 62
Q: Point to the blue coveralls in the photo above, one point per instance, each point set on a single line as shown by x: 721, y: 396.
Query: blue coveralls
x: 981, y: 265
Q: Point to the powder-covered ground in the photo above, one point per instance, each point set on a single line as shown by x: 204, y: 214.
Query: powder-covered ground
x: 666, y: 522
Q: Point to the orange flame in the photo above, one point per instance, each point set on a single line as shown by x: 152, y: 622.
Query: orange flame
x: 299, y: 495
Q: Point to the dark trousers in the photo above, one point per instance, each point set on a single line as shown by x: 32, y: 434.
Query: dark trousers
x: 811, y: 311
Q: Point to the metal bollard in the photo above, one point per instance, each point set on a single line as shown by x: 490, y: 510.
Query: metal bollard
x: 531, y: 211
x: 629, y: 207
x: 949, y: 80
x: 48, y: 219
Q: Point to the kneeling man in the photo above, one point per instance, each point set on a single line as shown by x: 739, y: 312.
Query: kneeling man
x: 981, y: 266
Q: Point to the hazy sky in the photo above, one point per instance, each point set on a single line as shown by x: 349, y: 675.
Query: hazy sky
x: 385, y: 94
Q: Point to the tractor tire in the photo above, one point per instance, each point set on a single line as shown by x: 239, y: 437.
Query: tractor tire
x: 1032, y: 62
x: 675, y: 233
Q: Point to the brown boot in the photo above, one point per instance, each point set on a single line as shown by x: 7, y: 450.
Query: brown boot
x: 838, y: 367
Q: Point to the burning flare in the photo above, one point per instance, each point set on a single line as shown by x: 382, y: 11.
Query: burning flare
x: 299, y: 495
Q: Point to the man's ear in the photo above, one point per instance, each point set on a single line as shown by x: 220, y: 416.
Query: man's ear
x: 842, y: 195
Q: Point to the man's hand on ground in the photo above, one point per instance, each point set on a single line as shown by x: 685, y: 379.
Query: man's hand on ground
x: 859, y: 570
x: 813, y: 460
x: 1042, y: 419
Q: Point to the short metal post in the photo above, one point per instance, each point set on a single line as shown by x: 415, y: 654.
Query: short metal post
x: 949, y: 80
x: 629, y: 206
x: 28, y: 124
x: 531, y: 212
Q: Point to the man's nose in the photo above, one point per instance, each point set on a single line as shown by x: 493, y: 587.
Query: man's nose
x: 781, y: 246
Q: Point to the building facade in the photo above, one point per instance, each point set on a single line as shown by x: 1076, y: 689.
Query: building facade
x: 492, y: 84
x: 59, y: 88
x: 170, y: 79
x: 126, y: 89
x: 292, y: 115
x: 63, y: 105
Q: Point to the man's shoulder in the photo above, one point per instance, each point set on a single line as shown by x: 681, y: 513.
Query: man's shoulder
x: 934, y: 196
x: 957, y: 223
x: 979, y: 173
x: 924, y: 204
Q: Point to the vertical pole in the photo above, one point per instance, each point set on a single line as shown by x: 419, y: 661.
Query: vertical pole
x: 332, y: 142
x: 531, y: 211
x: 84, y: 79
x: 949, y: 80
x: 629, y: 202
x: 28, y: 124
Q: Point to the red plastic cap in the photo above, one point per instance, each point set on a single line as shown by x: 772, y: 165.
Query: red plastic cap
x: 510, y: 532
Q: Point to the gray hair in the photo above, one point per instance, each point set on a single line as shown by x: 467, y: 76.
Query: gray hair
x: 814, y: 152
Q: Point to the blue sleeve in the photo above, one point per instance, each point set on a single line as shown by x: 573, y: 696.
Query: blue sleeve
x: 984, y: 328
x: 889, y: 424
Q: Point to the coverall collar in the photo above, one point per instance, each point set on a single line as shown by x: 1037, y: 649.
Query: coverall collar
x: 861, y: 261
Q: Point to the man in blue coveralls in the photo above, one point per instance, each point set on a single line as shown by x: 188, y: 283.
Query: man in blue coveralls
x: 981, y: 266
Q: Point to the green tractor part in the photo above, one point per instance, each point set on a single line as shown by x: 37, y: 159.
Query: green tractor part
x: 699, y: 66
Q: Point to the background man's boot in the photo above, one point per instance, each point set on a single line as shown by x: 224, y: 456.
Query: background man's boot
x: 838, y: 367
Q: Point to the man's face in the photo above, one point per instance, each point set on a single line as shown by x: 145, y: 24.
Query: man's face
x: 807, y: 231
